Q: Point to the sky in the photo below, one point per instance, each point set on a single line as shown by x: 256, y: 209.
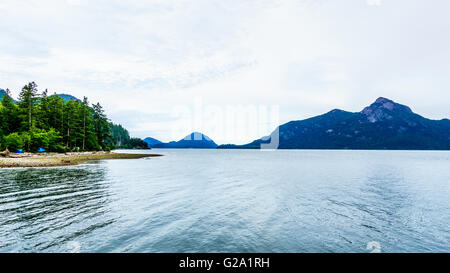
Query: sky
x: 233, y: 69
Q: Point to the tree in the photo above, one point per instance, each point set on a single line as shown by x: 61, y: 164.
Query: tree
x: 43, y: 111
x: 55, y: 114
x: 120, y: 135
x: 27, y: 99
x: 136, y: 143
x: 84, y: 107
x: 56, y: 124
x: 14, y: 141
x: 39, y: 138
x: 122, y: 138
x: 9, y: 114
x: 69, y: 112
x: 102, y: 127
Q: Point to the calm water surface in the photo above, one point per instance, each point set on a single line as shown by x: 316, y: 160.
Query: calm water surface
x: 232, y: 201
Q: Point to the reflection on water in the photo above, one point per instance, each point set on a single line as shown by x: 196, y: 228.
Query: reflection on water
x: 43, y: 209
x: 232, y: 201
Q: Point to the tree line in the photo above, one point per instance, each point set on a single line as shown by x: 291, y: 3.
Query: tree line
x: 38, y: 120
x: 123, y: 140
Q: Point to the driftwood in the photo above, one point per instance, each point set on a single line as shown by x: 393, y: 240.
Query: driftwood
x: 5, y: 153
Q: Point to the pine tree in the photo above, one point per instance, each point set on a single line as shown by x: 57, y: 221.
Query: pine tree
x: 9, y: 114
x: 55, y: 112
x: 55, y: 124
x: 27, y: 99
x: 102, y: 128
x: 84, y: 107
x: 43, y: 111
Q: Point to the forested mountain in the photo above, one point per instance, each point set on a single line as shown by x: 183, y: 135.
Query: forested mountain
x: 55, y: 123
x: 382, y: 125
x: 122, y: 139
x: 68, y: 97
x: 4, y: 92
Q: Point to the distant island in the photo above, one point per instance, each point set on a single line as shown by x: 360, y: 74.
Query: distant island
x: 383, y: 125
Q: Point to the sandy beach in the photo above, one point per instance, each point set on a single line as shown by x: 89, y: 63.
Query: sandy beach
x: 66, y: 159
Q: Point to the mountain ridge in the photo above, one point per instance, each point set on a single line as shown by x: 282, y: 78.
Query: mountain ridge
x: 2, y: 93
x: 151, y: 141
x: 66, y: 97
x: 384, y: 124
x: 194, y: 140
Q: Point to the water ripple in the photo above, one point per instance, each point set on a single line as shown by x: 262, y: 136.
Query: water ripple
x: 232, y: 201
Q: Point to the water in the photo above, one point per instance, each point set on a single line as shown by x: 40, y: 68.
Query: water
x: 232, y: 201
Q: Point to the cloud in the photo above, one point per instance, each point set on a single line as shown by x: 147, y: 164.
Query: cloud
x: 142, y: 58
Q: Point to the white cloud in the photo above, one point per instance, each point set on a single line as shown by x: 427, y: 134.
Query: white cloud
x: 305, y: 56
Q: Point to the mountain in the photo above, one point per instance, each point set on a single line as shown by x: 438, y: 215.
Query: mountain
x: 194, y: 140
x: 151, y: 142
x: 68, y: 97
x: 382, y: 125
x: 2, y: 93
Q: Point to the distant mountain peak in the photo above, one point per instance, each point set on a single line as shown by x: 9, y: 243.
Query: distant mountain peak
x: 384, y: 109
x: 151, y: 142
x: 384, y: 124
x: 336, y: 111
x: 383, y: 100
x: 389, y: 105
x: 197, y: 136
x: 193, y: 140
x: 3, y: 93
x: 68, y: 97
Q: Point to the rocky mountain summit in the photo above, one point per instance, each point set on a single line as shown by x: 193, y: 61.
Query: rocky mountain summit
x: 384, y: 124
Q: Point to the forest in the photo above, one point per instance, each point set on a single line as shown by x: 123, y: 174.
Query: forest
x: 39, y: 121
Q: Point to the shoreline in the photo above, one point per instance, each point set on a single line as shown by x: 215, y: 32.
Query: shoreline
x: 29, y: 160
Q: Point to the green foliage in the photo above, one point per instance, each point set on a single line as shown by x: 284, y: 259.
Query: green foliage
x: 27, y: 101
x: 102, y: 127
x: 9, y: 120
x: 55, y: 124
x: 14, y: 141
x: 122, y: 139
x: 40, y: 138
x: 120, y: 135
x: 137, y: 143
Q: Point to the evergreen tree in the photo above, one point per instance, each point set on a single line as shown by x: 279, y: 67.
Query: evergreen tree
x: 120, y: 135
x: 43, y: 111
x: 85, y: 113
x: 122, y: 138
x: 101, y: 125
x: 9, y: 114
x: 55, y: 112
x: 27, y: 99
x: 52, y: 123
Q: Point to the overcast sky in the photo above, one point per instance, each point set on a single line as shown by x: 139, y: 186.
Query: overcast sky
x: 143, y: 60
